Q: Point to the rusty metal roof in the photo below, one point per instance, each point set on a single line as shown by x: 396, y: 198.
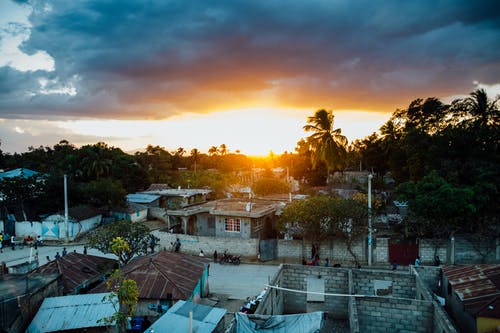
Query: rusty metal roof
x: 77, y: 270
x: 165, y: 275
x: 476, y: 285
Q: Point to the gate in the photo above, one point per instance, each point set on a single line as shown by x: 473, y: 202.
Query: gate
x: 403, y: 252
x: 268, y: 249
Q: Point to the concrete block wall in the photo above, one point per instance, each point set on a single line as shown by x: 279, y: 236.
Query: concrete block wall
x: 336, y: 281
x: 428, y: 249
x: 335, y: 251
x: 273, y: 301
x: 403, y: 285
x: 429, y: 275
x: 193, y: 244
x: 465, y: 252
x: 425, y: 278
x: 381, y: 250
x: 385, y: 314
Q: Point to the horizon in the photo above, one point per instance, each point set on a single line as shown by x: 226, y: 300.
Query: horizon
x: 198, y: 74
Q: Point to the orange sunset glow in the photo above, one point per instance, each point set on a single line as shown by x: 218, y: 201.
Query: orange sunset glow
x: 244, y: 74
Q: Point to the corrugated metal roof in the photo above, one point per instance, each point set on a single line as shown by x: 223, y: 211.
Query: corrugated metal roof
x: 476, y: 285
x: 71, y: 312
x: 164, y: 275
x: 142, y: 198
x: 205, y: 318
x: 77, y: 269
x: 20, y: 172
x: 174, y: 192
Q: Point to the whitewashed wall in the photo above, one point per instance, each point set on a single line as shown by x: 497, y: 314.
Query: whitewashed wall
x: 54, y: 228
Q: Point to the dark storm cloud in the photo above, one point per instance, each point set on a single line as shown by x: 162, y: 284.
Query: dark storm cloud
x: 129, y: 59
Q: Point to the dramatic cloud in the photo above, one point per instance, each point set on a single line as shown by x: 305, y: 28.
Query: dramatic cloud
x: 129, y: 60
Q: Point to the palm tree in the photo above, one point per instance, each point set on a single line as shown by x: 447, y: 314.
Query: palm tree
x: 223, y: 149
x: 483, y: 109
x: 327, y: 144
x: 212, y: 151
x: 195, y: 153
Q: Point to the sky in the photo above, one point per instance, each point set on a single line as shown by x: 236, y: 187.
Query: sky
x: 199, y: 73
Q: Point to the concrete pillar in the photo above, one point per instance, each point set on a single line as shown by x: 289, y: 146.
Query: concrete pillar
x: 452, y: 250
x: 497, y: 255
x: 185, y: 220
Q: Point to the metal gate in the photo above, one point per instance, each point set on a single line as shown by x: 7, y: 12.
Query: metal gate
x: 403, y: 252
x: 268, y: 249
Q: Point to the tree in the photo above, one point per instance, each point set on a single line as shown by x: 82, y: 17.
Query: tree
x: 267, y: 186
x: 328, y: 144
x: 483, y: 110
x: 136, y: 236
x: 349, y: 222
x: 320, y: 218
x: 437, y: 208
x: 103, y: 193
x: 124, y: 296
x: 124, y: 293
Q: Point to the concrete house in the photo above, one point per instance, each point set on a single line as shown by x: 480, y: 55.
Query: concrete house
x: 358, y: 300
x: 472, y: 294
x: 174, y: 198
x: 133, y: 212
x: 235, y: 218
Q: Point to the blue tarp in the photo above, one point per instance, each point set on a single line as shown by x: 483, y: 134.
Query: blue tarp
x: 296, y: 323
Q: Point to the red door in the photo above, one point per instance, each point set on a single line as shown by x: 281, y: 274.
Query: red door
x: 403, y: 252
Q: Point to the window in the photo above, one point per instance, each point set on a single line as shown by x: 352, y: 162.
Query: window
x: 232, y: 225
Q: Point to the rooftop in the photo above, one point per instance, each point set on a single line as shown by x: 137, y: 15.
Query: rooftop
x: 165, y: 275
x: 20, y: 172
x: 177, y: 192
x: 476, y: 285
x: 205, y: 318
x: 72, y: 313
x: 142, y: 198
x: 78, y: 270
x: 254, y: 208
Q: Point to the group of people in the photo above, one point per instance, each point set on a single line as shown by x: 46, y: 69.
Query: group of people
x: 417, y: 263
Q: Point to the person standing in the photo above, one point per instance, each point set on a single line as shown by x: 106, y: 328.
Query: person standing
x: 437, y: 261
x: 64, y: 252
x: 394, y: 265
x: 12, y: 242
x: 1, y: 241
x: 417, y: 262
x: 215, y: 256
x: 201, y: 253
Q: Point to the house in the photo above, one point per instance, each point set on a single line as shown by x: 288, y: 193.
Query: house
x: 21, y: 296
x: 234, y: 218
x: 132, y: 211
x: 79, y: 272
x: 351, y: 300
x: 171, y: 198
x: 204, y: 319
x: 163, y: 278
x: 75, y: 313
x: 472, y: 295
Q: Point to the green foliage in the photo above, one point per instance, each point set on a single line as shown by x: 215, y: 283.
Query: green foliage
x: 110, y: 238
x: 103, y: 192
x: 124, y: 296
x: 267, y: 186
x: 437, y: 206
x: 320, y: 217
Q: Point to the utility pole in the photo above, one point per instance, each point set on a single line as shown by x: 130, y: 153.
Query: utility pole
x: 370, y: 176
x: 66, y: 206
